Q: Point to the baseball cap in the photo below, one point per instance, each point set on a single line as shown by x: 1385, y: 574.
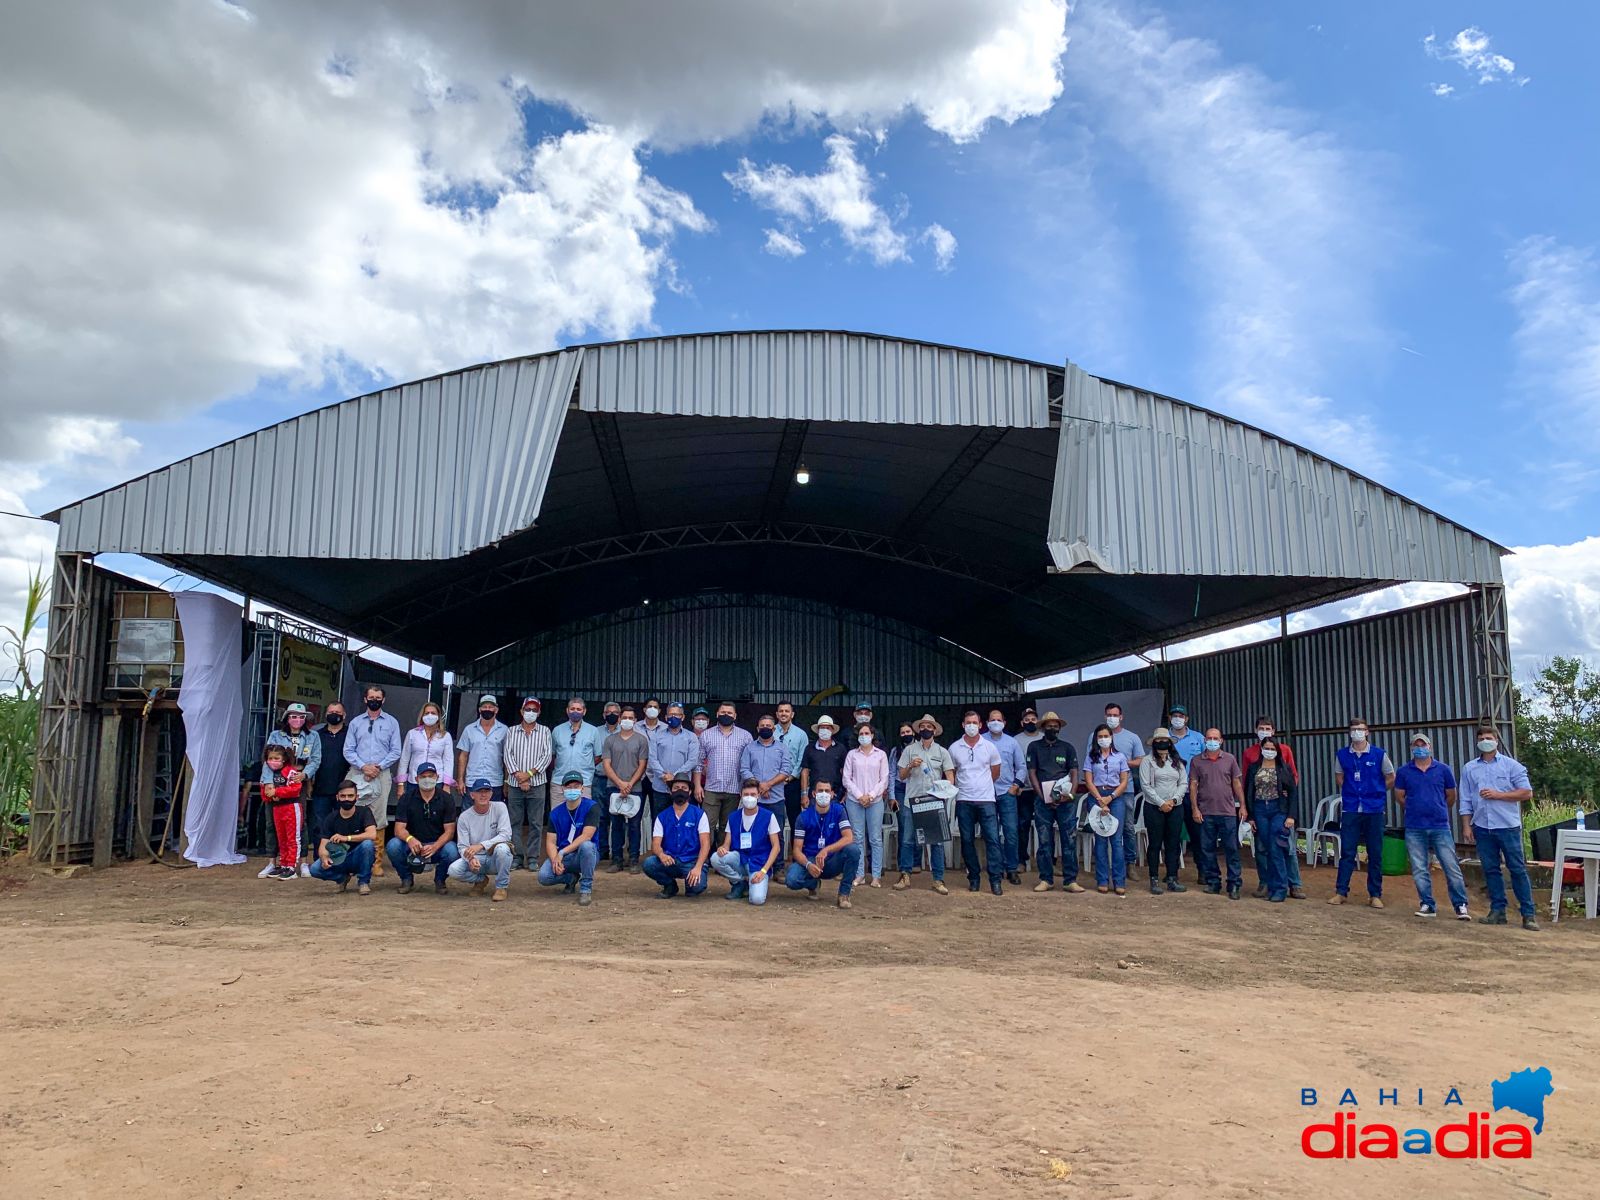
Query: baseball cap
x: 479, y: 785
x: 426, y: 769
x: 572, y: 777
x: 486, y: 698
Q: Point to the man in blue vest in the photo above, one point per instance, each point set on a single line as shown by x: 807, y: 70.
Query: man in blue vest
x: 680, y: 841
x: 824, y: 847
x: 569, y: 842
x: 1363, y: 774
x: 751, y: 846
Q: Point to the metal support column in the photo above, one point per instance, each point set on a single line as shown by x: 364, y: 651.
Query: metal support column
x: 57, y: 782
x: 1492, y: 634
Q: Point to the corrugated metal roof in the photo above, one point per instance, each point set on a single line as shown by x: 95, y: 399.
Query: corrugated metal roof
x: 810, y: 375
x: 1146, y: 485
x: 427, y: 470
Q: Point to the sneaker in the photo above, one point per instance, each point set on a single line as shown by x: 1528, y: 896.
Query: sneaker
x: 499, y: 895
x: 1463, y: 913
x: 1174, y: 886
x: 480, y: 887
x: 1496, y: 916
x: 285, y: 873
x: 1297, y: 893
x: 1338, y: 898
x: 1374, y: 901
x: 405, y: 888
x: 1042, y: 886
x: 268, y: 871
x: 1233, y: 893
x: 585, y: 899
x: 844, y: 901
x: 1155, y: 888
x: 938, y: 886
x: 739, y: 891
x: 364, y: 890
x: 903, y: 882
x: 305, y: 870
x: 1426, y: 910
x: 1530, y: 923
x: 1073, y: 888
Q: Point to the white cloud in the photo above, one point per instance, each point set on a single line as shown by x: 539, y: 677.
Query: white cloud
x: 1556, y: 296
x: 1442, y: 89
x: 839, y: 195
x: 943, y: 243
x: 1283, y: 229
x: 1469, y: 50
x: 1553, y: 598
x: 783, y: 245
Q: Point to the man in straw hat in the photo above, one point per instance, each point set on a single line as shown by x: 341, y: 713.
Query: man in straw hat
x: 1053, y: 775
x: 922, y: 764
x: 823, y: 761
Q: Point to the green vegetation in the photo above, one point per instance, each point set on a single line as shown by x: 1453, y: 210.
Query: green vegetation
x: 1558, y: 736
x: 19, y: 718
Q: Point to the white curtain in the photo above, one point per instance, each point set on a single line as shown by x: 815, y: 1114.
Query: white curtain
x: 210, y: 700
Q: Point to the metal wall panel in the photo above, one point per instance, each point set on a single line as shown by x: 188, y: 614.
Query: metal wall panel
x: 1152, y: 486
x: 375, y: 465
x: 815, y: 376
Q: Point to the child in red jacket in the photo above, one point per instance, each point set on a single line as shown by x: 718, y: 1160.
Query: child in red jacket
x: 283, y: 794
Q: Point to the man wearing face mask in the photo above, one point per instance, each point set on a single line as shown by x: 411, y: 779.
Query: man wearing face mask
x: 921, y: 764
x: 795, y: 742
x: 823, y: 761
x: 569, y: 844
x: 722, y: 750
x: 372, y: 748
x: 1026, y: 735
x: 766, y: 760
x: 652, y: 724
x: 1363, y: 774
x: 481, y: 752
x: 674, y: 758
x: 347, y: 842
x: 624, y: 758
x: 577, y: 746
x: 528, y: 751
x: 862, y: 715
x: 1494, y: 787
x: 1216, y: 800
x: 1128, y: 744
x: 680, y: 843
x: 1013, y: 778
x: 1425, y: 790
x: 751, y: 847
x: 483, y: 836
x: 330, y: 770
x: 1053, y: 775
x: 1188, y: 744
x: 424, y: 828
x: 610, y: 715
x: 824, y: 847
x: 977, y: 772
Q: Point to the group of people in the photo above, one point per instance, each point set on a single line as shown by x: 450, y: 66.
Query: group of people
x: 720, y: 799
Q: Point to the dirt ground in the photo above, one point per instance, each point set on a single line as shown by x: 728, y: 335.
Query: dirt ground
x: 181, y: 1033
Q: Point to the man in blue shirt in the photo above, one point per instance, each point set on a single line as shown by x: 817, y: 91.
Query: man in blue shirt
x: 576, y: 745
x: 1363, y: 773
x: 680, y: 843
x: 481, y: 752
x: 824, y: 847
x: 1425, y: 789
x: 570, y: 840
x: 372, y: 747
x: 1013, y: 778
x: 767, y: 761
x: 795, y: 741
x: 1494, y: 787
x: 674, y: 755
x: 1188, y: 744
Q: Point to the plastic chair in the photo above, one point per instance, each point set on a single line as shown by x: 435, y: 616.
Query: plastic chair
x: 1324, y: 829
x: 1581, y: 844
x: 1141, y: 837
x: 1085, y: 836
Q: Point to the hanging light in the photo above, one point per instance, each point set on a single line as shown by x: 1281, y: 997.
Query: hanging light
x: 802, y: 476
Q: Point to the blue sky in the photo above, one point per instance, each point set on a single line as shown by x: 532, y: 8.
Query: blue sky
x: 1369, y: 227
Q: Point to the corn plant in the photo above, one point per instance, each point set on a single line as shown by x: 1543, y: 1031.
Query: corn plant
x: 19, y: 716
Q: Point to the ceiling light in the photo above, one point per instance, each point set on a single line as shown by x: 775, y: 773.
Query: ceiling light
x: 802, y: 476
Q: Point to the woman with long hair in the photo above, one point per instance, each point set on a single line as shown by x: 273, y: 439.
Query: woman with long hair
x: 426, y: 742
x: 1106, y: 773
x: 1165, y: 781
x: 1269, y: 797
x: 866, y: 784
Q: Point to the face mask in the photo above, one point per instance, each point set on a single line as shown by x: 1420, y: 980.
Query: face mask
x: 1487, y: 745
x: 1051, y: 735
x: 574, y: 715
x: 1113, y: 722
x: 626, y: 724
x: 573, y: 795
x: 1167, y: 746
x: 1103, y: 743
x: 335, y: 719
x: 724, y: 720
x: 907, y: 738
x: 613, y: 718
x: 865, y: 739
x: 824, y: 734
x: 1263, y: 734
x: 1269, y: 754
x: 347, y: 808
x: 970, y: 729
x: 674, y: 722
x: 1030, y: 726
x: 428, y: 782
x: 296, y: 720
x: 486, y: 714
x: 374, y: 705
x: 277, y: 766
x: 680, y: 797
x: 749, y: 803
x: 1213, y: 745
x: 652, y: 712
x: 1180, y: 722
x: 700, y: 723
x: 924, y: 734
x: 997, y: 726
x: 1420, y: 752
x: 862, y: 718
x: 823, y: 800
x: 764, y: 733
x: 1358, y: 735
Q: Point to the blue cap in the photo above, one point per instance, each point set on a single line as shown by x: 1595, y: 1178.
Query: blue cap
x: 572, y: 777
x: 863, y: 704
x: 1178, y: 708
x: 700, y: 712
x: 480, y: 785
x: 429, y: 769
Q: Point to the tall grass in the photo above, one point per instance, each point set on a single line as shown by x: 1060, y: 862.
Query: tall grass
x: 19, y: 717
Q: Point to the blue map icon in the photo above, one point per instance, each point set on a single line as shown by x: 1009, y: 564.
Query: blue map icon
x: 1524, y: 1091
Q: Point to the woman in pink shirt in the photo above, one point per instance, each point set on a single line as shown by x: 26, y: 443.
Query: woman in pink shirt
x: 866, y: 782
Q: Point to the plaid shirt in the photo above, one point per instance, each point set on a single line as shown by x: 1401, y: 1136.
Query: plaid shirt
x: 721, y: 751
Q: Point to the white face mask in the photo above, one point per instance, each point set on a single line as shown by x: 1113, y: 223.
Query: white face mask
x: 865, y: 739
x: 625, y: 724
x: 652, y: 712
x: 1103, y: 743
x: 970, y: 729
x: 997, y: 726
x: 1113, y: 722
x: 430, y: 719
x: 1263, y: 734
x: 530, y: 715
x: 749, y: 803
x: 1487, y: 745
x: 1269, y: 754
x: 428, y: 782
x: 1180, y: 722
x: 824, y: 734
x: 700, y: 723
x: 1358, y: 735
x: 823, y: 801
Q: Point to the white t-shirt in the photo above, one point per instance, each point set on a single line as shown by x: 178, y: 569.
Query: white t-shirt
x: 656, y: 830
x: 974, y: 780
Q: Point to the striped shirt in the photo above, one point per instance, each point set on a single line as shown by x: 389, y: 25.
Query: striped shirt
x: 528, y: 748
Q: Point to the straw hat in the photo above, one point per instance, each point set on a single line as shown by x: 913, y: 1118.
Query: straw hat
x: 938, y: 729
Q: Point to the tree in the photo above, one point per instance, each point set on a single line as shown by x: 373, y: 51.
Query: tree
x: 1558, y: 731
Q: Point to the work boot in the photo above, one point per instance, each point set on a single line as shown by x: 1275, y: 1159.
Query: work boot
x: 585, y: 899
x: 405, y: 888
x: 903, y: 882
x: 499, y: 895
x: 364, y: 890
x: 1496, y: 916
x: 1374, y: 902
x: 1530, y: 923
x: 1042, y: 886
x: 938, y: 886
x: 1297, y: 893
x: 1174, y: 886
x: 1155, y: 888
x: 739, y: 891
x: 1073, y: 888
x: 480, y: 887
x: 844, y: 901
x: 1014, y: 878
x: 616, y: 867
x: 1338, y: 898
x: 1233, y: 892
x: 1261, y: 891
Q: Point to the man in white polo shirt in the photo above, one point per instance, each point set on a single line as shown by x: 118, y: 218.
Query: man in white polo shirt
x: 977, y: 768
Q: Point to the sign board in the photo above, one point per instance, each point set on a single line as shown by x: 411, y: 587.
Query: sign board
x: 307, y: 672
x: 146, y: 640
x: 930, y: 817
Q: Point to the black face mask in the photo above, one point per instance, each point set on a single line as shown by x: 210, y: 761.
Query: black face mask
x: 724, y: 720
x: 334, y: 719
x: 1029, y: 726
x: 764, y: 733
x: 907, y: 738
x: 680, y: 797
x: 486, y: 714
x: 924, y: 734
x: 611, y: 718
x: 1051, y: 735
x: 374, y: 705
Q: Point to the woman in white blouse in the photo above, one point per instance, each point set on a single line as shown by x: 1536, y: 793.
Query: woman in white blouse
x: 1165, y: 781
x: 427, y: 742
x: 866, y: 782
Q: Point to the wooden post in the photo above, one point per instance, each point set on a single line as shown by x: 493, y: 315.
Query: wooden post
x: 105, y: 787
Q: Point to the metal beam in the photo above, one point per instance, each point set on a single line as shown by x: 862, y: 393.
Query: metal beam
x: 1491, y: 631
x: 61, y: 711
x: 789, y: 447
x: 952, y: 477
x: 608, y: 437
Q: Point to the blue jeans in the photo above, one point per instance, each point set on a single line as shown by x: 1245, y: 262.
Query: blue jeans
x: 577, y: 866
x: 731, y: 867
x: 1494, y: 844
x: 1111, y: 853
x: 908, y: 845
x: 1130, y: 839
x: 1006, y: 811
x: 668, y: 876
x: 1357, y: 827
x: 1026, y: 801
x: 1050, y: 820
x: 970, y: 817
x: 500, y: 860
x: 398, y: 852
x: 1442, y: 844
x: 1271, y: 859
x: 842, y: 864
x: 362, y: 855
x: 867, y: 821
x: 1220, y: 833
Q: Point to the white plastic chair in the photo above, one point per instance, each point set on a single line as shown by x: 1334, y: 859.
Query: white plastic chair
x: 1141, y: 837
x: 1582, y: 844
x: 1085, y: 836
x: 1325, y: 813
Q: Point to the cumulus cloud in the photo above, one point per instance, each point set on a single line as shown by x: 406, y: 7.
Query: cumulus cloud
x: 943, y: 243
x: 783, y: 245
x: 1470, y: 51
x: 1281, y: 226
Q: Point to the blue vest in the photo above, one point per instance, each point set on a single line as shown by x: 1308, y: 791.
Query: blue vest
x: 1364, y: 788
x: 821, y: 830
x: 567, y: 824
x: 680, y: 836
x: 761, y: 830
